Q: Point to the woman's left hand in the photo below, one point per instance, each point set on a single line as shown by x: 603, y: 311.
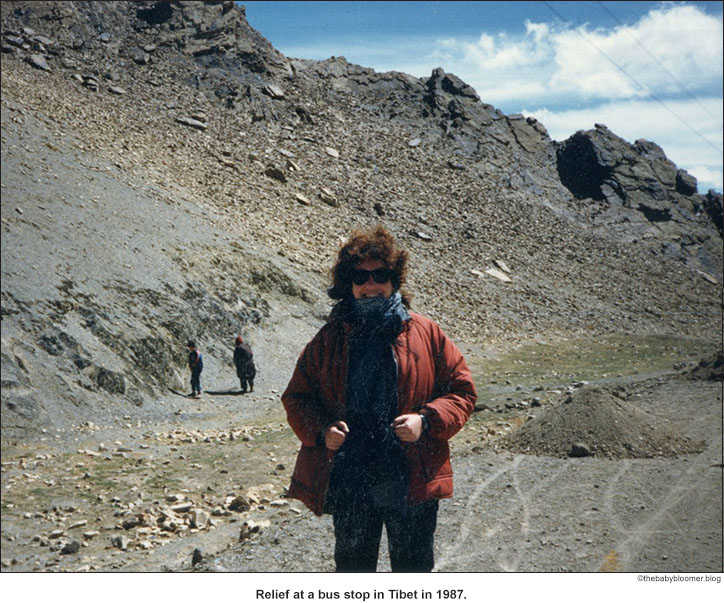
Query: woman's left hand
x: 408, y: 428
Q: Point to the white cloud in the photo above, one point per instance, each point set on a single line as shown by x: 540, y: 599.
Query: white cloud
x: 670, y: 50
x: 539, y: 30
x: 707, y: 178
x: 502, y: 52
x: 673, y: 50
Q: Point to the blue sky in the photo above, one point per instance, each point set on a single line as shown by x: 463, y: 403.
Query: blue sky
x: 645, y: 69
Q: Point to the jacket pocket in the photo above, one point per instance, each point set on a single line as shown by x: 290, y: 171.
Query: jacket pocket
x: 433, y: 459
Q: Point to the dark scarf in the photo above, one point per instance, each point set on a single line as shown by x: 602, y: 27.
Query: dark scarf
x: 376, y: 317
x: 369, y: 468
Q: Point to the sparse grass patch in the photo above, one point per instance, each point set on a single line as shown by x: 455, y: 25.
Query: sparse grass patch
x: 603, y: 359
x: 40, y: 493
x: 160, y: 480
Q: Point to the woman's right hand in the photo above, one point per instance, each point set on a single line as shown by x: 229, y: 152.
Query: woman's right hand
x: 335, y: 435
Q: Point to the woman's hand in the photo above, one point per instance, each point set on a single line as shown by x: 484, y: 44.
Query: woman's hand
x: 408, y: 428
x: 335, y: 435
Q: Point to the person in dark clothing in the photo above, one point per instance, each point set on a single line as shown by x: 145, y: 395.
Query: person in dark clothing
x: 196, y: 364
x: 244, y: 362
x: 374, y: 399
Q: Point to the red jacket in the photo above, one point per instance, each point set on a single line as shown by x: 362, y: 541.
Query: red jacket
x: 432, y: 378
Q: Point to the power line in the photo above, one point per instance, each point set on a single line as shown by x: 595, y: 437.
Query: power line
x: 633, y: 79
x: 675, y: 79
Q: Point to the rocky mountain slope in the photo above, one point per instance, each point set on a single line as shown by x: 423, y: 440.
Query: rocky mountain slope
x: 167, y: 174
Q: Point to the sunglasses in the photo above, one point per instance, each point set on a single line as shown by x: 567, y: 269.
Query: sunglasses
x: 380, y: 275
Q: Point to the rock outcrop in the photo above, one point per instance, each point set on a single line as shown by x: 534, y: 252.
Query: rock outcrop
x: 638, y: 191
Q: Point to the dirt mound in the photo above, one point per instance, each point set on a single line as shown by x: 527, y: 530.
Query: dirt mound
x: 595, y: 422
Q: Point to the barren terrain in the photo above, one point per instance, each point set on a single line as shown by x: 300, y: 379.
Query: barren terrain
x: 168, y: 175
x: 512, y: 511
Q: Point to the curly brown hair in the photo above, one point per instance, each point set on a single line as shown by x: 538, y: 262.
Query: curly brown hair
x: 375, y: 244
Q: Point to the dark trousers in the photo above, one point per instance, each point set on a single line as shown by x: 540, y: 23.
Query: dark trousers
x: 246, y: 373
x: 246, y: 383
x: 196, y: 381
x: 410, y: 536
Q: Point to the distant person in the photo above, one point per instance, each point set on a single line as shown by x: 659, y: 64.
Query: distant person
x: 374, y: 398
x: 196, y: 364
x: 244, y: 362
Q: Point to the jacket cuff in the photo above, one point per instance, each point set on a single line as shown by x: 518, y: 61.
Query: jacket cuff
x: 425, y: 422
